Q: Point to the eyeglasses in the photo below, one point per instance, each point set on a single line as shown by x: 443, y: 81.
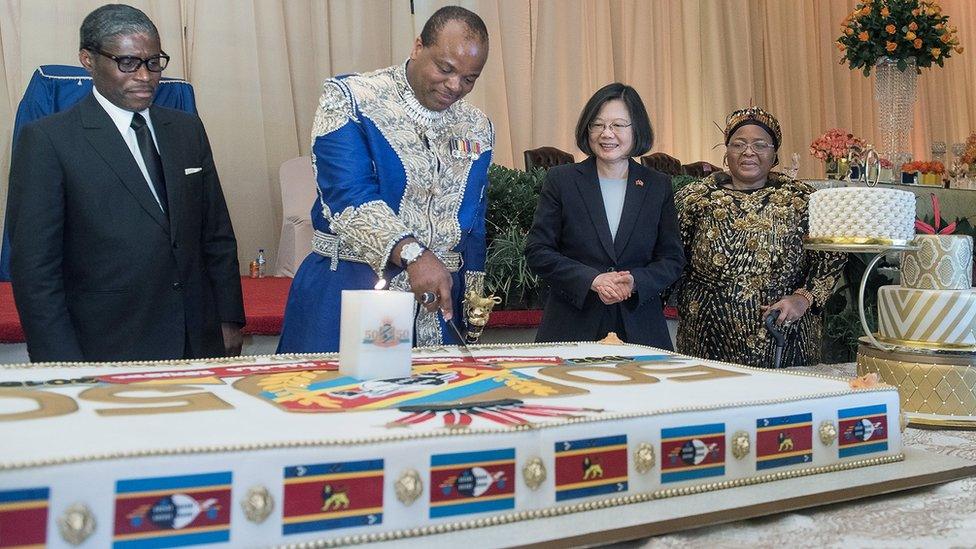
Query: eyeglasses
x: 758, y: 147
x: 128, y: 63
x: 617, y: 126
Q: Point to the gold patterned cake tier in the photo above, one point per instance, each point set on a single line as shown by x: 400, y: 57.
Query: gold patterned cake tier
x: 939, y: 262
x: 943, y: 319
x: 936, y: 389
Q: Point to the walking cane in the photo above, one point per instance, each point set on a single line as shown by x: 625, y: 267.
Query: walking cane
x: 777, y: 334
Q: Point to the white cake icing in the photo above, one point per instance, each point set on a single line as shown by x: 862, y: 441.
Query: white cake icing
x: 927, y: 318
x: 162, y: 450
x: 941, y: 262
x: 862, y: 215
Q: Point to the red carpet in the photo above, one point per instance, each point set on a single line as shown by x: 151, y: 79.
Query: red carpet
x: 10, y: 330
x: 264, y: 304
x: 264, y: 307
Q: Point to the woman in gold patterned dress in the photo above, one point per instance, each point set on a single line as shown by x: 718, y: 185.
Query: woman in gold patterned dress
x: 743, y: 236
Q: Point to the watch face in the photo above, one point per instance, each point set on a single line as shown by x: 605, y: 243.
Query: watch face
x: 411, y: 252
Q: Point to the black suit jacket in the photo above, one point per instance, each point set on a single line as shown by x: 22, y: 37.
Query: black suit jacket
x: 570, y: 244
x: 99, y: 272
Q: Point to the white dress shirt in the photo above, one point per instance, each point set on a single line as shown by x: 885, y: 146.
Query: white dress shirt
x: 123, y: 120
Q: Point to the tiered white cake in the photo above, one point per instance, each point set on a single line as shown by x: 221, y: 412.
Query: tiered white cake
x: 861, y: 215
x: 931, y: 318
x: 935, y: 305
x: 258, y: 451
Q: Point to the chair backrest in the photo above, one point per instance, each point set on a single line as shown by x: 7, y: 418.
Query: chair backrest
x: 701, y: 169
x: 55, y: 88
x: 298, y: 187
x: 546, y: 157
x: 663, y: 163
x: 298, y: 192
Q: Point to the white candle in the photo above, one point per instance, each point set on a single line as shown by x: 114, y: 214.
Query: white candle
x: 376, y: 334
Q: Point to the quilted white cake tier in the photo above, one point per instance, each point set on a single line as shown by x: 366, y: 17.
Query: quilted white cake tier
x: 862, y: 215
x: 940, y: 262
x: 927, y: 318
x: 260, y: 451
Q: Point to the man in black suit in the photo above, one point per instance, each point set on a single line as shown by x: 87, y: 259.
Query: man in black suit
x: 122, y: 247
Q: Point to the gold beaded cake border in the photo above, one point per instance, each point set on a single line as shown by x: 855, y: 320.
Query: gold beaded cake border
x: 313, y: 443
x: 856, y: 240
x: 916, y: 344
x: 519, y: 516
x: 942, y: 423
x: 289, y: 357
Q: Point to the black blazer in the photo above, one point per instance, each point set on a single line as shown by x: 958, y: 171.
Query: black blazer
x: 570, y: 244
x: 99, y: 272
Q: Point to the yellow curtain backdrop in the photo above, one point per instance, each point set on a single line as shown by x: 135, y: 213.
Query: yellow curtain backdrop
x: 257, y: 67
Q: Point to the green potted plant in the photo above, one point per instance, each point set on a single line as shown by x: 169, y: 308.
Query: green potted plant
x: 512, y: 197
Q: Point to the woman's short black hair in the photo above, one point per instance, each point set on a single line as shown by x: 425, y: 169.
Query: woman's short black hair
x: 641, y: 123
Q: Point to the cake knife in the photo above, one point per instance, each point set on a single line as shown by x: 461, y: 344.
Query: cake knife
x: 462, y: 344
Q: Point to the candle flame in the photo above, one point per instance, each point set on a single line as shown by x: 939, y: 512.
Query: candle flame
x: 380, y: 284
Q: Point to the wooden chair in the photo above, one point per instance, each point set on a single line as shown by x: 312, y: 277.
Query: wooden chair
x: 701, y: 169
x: 546, y: 157
x: 663, y: 163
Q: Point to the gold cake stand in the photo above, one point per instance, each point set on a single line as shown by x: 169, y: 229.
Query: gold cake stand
x: 879, y: 250
x: 936, y: 385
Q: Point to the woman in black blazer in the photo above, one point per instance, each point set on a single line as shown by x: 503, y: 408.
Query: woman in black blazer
x: 605, y: 234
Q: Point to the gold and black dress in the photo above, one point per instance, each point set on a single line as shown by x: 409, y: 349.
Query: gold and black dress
x: 745, y: 250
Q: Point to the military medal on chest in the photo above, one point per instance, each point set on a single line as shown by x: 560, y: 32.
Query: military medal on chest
x: 465, y: 148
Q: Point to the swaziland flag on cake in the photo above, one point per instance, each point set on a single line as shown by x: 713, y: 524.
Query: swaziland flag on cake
x: 172, y: 511
x: 863, y: 430
x: 591, y: 466
x: 23, y: 517
x: 784, y: 440
x: 472, y: 482
x: 692, y: 452
x: 325, y: 496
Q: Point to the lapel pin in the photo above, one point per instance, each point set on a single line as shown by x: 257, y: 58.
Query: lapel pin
x: 639, y: 182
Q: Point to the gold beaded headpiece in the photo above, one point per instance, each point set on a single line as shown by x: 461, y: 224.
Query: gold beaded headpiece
x: 753, y: 115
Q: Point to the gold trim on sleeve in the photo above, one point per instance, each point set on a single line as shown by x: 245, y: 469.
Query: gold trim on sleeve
x: 371, y: 230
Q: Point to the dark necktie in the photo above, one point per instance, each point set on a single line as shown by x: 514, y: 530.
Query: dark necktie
x: 149, y: 155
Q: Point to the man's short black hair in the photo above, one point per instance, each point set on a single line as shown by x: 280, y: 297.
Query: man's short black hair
x: 113, y: 20
x: 641, y: 123
x: 441, y: 17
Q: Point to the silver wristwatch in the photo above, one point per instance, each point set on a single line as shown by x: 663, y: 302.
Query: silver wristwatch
x: 410, y: 253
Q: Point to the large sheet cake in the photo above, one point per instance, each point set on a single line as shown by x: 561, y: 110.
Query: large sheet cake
x: 284, y: 450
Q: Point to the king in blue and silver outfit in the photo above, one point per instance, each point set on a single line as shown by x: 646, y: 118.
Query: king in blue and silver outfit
x: 401, y: 162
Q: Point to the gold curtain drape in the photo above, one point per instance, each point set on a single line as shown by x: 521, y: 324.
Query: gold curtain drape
x: 257, y: 66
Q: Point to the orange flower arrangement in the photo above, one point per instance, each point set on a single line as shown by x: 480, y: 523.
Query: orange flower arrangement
x: 969, y: 154
x: 919, y: 166
x: 897, y: 29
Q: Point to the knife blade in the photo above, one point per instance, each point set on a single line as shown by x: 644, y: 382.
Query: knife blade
x: 462, y: 344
